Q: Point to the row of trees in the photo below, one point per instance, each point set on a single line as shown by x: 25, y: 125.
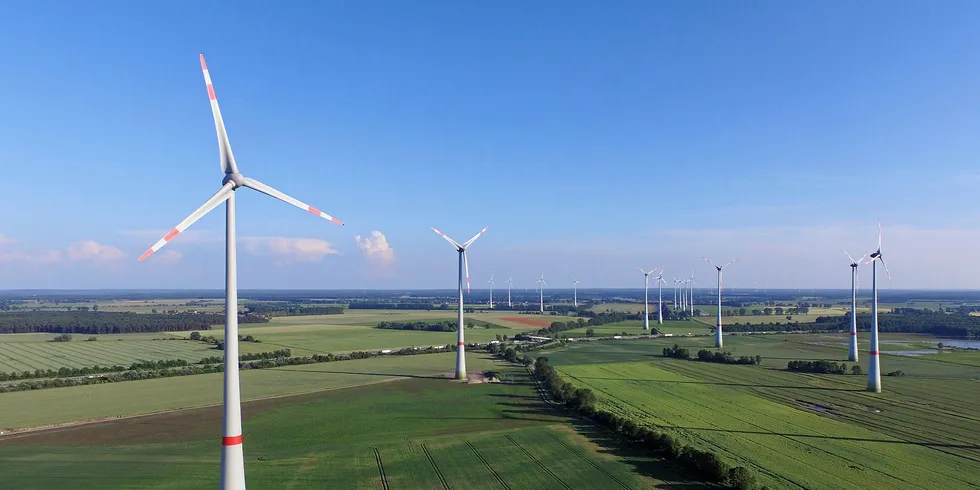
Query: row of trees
x: 250, y: 357
x: 264, y: 363
x: 443, y: 326
x: 293, y: 309
x: 706, y: 355
x: 595, y: 319
x: 90, y: 322
x: 911, y: 320
x: 821, y: 367
x: 705, y: 464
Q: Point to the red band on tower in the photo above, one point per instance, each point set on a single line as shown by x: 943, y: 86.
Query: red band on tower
x: 460, y: 343
x: 231, y: 441
x: 854, y: 334
x: 874, y: 353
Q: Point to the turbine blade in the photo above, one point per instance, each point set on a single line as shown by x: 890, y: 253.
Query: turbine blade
x: 218, y: 198
x: 471, y: 240
x: 450, y: 240
x: 708, y: 261
x: 269, y: 191
x: 879, y: 235
x: 730, y: 262
x: 466, y: 265
x: 224, y: 146
x: 849, y: 256
x: 887, y: 272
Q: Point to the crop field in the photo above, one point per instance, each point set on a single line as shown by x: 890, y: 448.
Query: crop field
x: 636, y: 327
x: 419, y: 433
x: 798, y: 430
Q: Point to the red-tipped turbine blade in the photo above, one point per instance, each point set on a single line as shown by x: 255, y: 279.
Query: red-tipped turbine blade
x: 269, y: 191
x: 228, y: 165
x: 450, y: 240
x: 218, y: 198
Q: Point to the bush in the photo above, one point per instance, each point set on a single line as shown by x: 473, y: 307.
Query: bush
x: 195, y: 335
x: 896, y: 373
x: 855, y: 369
x: 739, y: 478
x: 65, y: 337
x: 92, y: 339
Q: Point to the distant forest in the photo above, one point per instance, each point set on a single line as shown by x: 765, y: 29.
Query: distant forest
x: 293, y: 309
x: 900, y: 320
x: 100, y: 322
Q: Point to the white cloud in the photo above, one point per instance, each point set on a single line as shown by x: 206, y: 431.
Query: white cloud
x: 376, y: 248
x: 285, y: 250
x: 186, y: 236
x: 6, y: 240
x: 168, y: 257
x: 94, y: 251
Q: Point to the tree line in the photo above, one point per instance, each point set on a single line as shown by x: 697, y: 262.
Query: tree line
x: 293, y: 309
x: 821, y: 367
x: 102, y: 322
x: 705, y: 464
x: 911, y: 320
x: 443, y: 326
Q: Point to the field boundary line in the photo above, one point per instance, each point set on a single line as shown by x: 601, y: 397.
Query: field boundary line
x: 381, y: 468
x: 538, y: 462
x: 445, y: 484
x: 487, y: 464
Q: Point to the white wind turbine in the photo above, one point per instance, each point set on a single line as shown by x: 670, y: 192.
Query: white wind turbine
x: 491, y: 290
x: 852, y: 346
x: 660, y: 297
x: 646, y: 300
x: 541, y: 286
x: 718, y: 342
x: 464, y: 265
x: 691, y: 283
x: 575, y: 292
x: 874, y: 367
x: 510, y: 282
x: 232, y: 453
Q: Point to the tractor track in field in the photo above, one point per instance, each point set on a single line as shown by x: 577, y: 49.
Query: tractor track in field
x: 539, y: 463
x: 442, y: 478
x: 381, y: 468
x: 487, y: 464
x: 589, y: 461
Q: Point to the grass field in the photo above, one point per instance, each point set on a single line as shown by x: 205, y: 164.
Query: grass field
x: 303, y: 335
x: 419, y: 433
x: 636, y: 327
x: 798, y: 430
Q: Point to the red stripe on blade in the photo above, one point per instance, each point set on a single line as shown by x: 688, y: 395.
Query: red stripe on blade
x: 171, y: 234
x: 204, y: 65
x: 145, y: 255
x: 313, y: 210
x: 335, y: 220
x: 211, y: 92
x: 231, y: 441
x: 874, y: 353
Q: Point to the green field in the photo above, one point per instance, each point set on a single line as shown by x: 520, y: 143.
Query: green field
x: 798, y: 430
x: 635, y: 327
x: 420, y: 433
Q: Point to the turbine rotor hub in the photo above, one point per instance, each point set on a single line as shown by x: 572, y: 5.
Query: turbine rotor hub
x: 235, y: 178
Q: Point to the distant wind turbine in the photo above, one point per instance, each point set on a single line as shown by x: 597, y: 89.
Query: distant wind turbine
x: 575, y: 292
x: 646, y: 299
x: 232, y: 453
x: 491, y: 290
x: 542, y: 284
x: 718, y: 341
x: 874, y: 367
x: 510, y: 282
x: 463, y: 265
x: 660, y: 297
x: 852, y: 347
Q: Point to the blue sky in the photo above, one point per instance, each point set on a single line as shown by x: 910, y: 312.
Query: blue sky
x: 592, y: 137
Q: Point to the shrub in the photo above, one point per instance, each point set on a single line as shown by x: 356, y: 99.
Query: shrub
x: 739, y: 478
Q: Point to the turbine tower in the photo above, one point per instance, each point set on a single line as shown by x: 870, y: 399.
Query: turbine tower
x: 660, y: 297
x: 646, y: 300
x: 718, y: 342
x: 541, y: 286
x: 232, y: 453
x: 690, y: 303
x: 510, y: 282
x: 874, y: 367
x: 464, y: 265
x: 852, y: 346
x: 575, y: 292
x: 491, y: 290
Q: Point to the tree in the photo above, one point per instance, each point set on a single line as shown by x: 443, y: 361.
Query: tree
x: 739, y: 478
x: 767, y: 311
x: 590, y: 332
x: 95, y: 307
x: 195, y: 335
x: 741, y: 312
x: 498, y: 338
x: 855, y: 369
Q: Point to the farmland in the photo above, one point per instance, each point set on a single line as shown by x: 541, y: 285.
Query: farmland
x: 797, y: 430
x: 424, y: 432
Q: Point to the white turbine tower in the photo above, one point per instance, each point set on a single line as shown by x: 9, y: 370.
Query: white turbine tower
x: 541, y: 286
x: 690, y: 303
x: 464, y: 265
x: 510, y: 282
x: 718, y: 342
x: 575, y: 292
x: 660, y: 297
x: 852, y: 346
x: 491, y: 290
x: 874, y: 367
x: 646, y: 299
x: 232, y: 453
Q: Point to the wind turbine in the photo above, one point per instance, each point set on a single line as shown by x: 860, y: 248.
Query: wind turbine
x: 874, y: 367
x: 646, y: 300
x: 491, y: 290
x: 232, y: 453
x: 541, y: 290
x: 575, y: 292
x: 463, y: 265
x: 510, y: 282
x: 852, y: 348
x: 690, y: 303
x: 660, y: 297
x: 718, y: 342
